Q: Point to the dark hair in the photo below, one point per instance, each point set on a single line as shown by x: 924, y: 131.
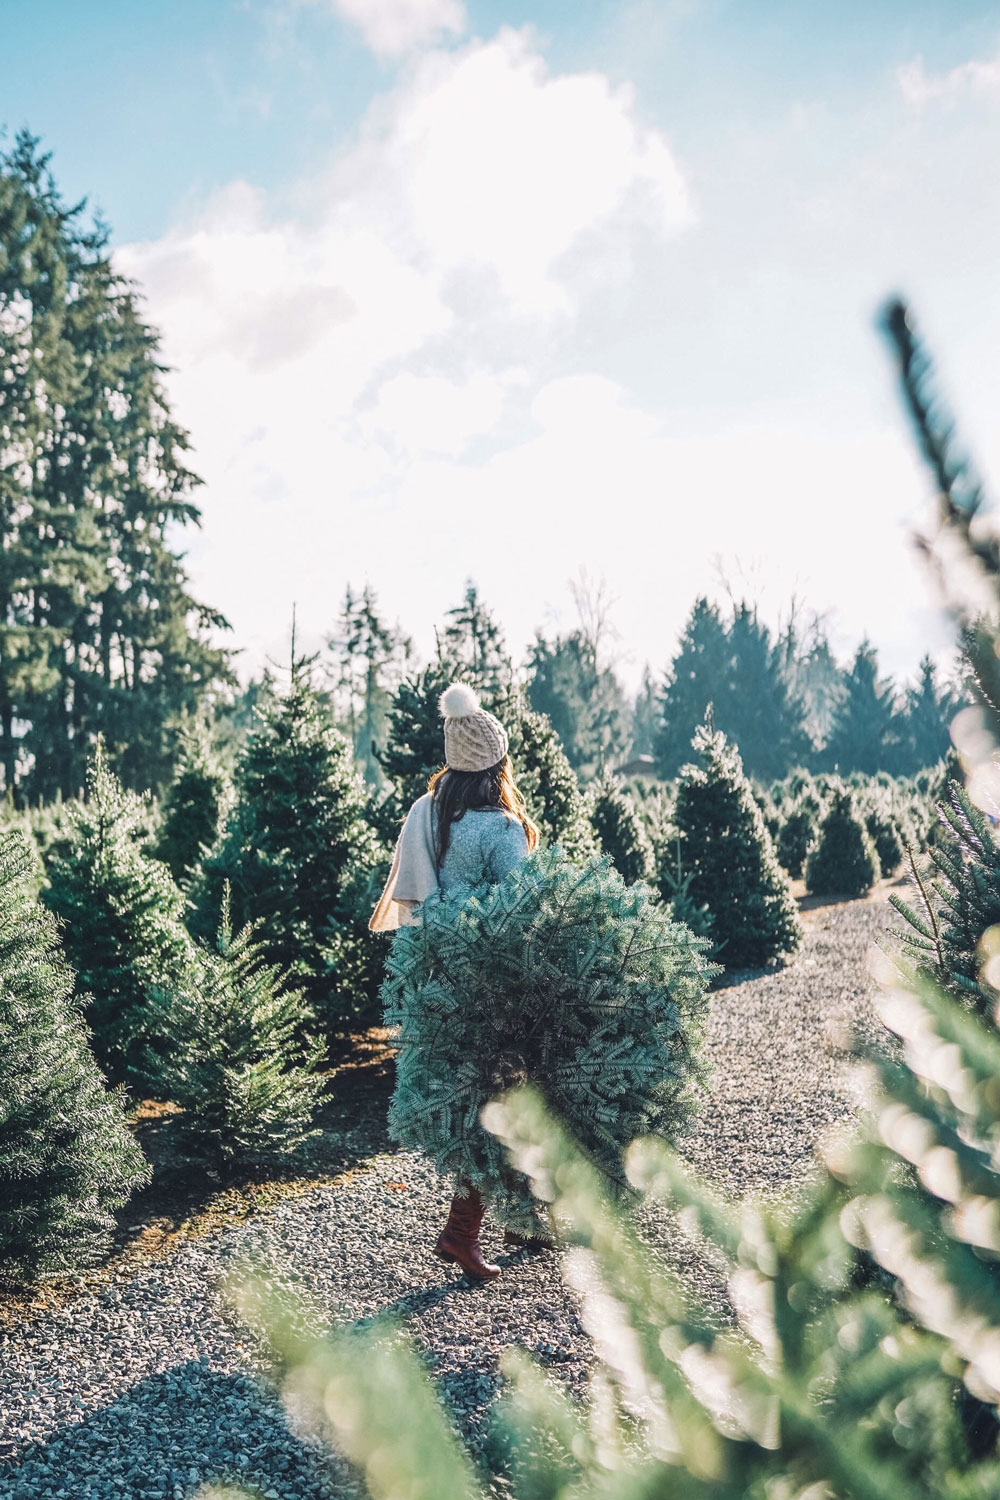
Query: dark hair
x: 457, y: 792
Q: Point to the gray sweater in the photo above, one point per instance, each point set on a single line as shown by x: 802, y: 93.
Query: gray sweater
x: 484, y: 844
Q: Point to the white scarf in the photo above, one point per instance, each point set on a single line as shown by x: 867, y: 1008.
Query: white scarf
x: 413, y: 876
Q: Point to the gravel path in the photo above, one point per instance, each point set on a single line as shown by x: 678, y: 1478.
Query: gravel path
x: 143, y: 1391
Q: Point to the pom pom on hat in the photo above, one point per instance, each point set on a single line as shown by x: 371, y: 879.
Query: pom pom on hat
x: 473, y: 739
x: 459, y: 700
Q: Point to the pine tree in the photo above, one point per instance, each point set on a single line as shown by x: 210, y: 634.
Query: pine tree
x: 956, y: 903
x: 867, y: 727
x: 414, y: 747
x: 796, y: 835
x: 728, y: 850
x: 696, y: 679
x: 883, y: 830
x: 645, y: 715
x: 300, y: 853
x: 929, y: 710
x: 581, y: 983
x: 842, y: 861
x: 99, y: 631
x: 194, y: 805
x: 235, y: 1059
x: 121, y: 916
x: 67, y: 1160
x: 584, y: 701
x: 547, y: 780
x: 471, y: 647
x: 620, y: 830
x: 370, y: 658
x: 739, y: 670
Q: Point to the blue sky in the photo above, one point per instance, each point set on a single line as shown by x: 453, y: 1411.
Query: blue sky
x: 648, y: 354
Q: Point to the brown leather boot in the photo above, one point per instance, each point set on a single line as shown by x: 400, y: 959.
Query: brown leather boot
x: 459, y: 1240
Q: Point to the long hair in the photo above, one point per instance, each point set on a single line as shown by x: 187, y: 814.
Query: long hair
x: 457, y: 792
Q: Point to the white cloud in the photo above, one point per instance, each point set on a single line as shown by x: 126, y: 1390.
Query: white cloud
x: 393, y: 27
x: 974, y: 78
x: 336, y: 362
x: 395, y: 377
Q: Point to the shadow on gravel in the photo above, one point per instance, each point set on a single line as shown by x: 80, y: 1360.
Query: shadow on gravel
x: 169, y: 1434
x: 185, y: 1201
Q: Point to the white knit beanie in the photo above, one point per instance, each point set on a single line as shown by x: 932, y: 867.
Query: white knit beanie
x: 473, y: 739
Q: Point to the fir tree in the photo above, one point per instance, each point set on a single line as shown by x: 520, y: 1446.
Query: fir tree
x: 370, y: 658
x: 194, y: 805
x: 796, y: 835
x: 842, y: 861
x: 414, y: 747
x: 743, y: 674
x: 98, y: 628
x: 582, y: 984
x: 728, y: 850
x: 300, y: 854
x: 620, y: 830
x: 235, y: 1059
x: 471, y: 647
x: 645, y: 715
x: 956, y: 903
x: 584, y: 701
x: 67, y: 1160
x: 696, y: 679
x: 868, y: 727
x: 547, y: 780
x: 121, y: 916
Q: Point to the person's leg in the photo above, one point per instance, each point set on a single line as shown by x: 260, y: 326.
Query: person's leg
x: 459, y: 1240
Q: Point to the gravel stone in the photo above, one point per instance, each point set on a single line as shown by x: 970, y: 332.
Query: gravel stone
x: 147, y: 1389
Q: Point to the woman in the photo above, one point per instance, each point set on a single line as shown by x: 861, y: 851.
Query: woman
x: 470, y: 826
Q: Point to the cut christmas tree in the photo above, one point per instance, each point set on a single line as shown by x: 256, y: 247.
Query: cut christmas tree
x: 558, y: 974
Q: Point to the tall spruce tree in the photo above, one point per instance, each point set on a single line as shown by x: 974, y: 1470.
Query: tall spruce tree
x: 584, y: 701
x: 696, y: 679
x: 369, y: 659
x: 67, y: 1159
x: 121, y: 914
x: 928, y: 711
x: 98, y: 631
x: 620, y: 830
x: 300, y: 853
x: 194, y: 805
x: 236, y: 1059
x: 742, y: 672
x: 867, y: 727
x: 471, y: 646
x: 728, y: 851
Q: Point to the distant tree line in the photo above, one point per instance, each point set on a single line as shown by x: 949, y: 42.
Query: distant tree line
x: 101, y: 638
x: 99, y: 634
